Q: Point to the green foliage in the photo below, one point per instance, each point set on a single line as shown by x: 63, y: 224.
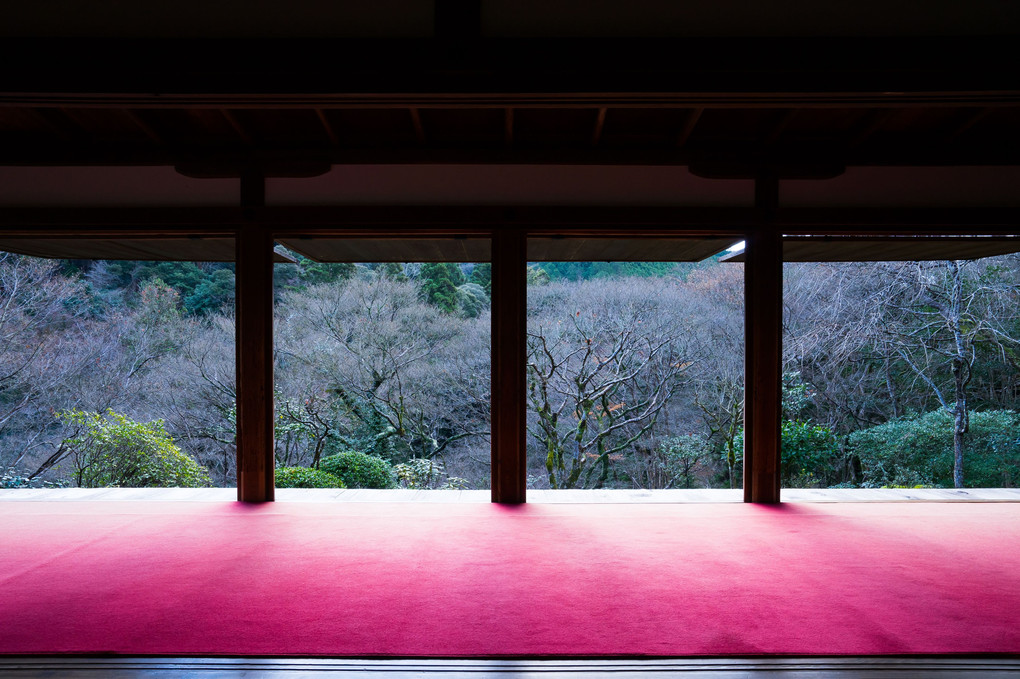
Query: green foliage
x: 482, y: 275
x: 113, y: 450
x: 576, y: 271
x: 183, y: 277
x: 358, y: 470
x: 392, y: 270
x: 306, y: 477
x: 683, y: 457
x: 797, y: 396
x: 12, y: 478
x: 439, y: 281
x: 311, y: 272
x: 919, y: 450
x: 213, y: 293
x: 423, y: 473
x: 537, y: 276
x: 471, y: 299
x: 158, y: 303
x: 810, y: 455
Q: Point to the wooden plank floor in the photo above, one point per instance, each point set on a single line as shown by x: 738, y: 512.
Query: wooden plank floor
x: 537, y: 496
x: 703, y: 668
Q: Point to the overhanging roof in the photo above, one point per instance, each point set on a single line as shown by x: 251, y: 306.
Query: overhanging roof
x: 889, y: 249
x: 625, y: 249
x: 391, y: 249
x: 186, y: 249
x: 478, y: 249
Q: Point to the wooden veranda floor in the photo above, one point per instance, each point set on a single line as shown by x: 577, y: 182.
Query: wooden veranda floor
x: 537, y: 496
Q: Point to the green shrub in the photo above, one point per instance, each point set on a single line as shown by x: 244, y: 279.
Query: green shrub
x: 810, y: 455
x: 424, y: 474
x: 113, y: 450
x: 683, y: 458
x: 918, y: 451
x: 10, y: 477
x: 358, y: 470
x: 306, y: 477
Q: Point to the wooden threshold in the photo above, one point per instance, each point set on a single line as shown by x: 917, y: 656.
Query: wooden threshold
x: 679, y: 496
x: 689, y: 668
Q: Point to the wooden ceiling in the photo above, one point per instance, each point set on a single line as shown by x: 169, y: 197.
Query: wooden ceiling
x: 722, y: 86
x: 728, y: 89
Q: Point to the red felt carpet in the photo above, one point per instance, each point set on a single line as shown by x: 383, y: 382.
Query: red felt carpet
x: 475, y: 579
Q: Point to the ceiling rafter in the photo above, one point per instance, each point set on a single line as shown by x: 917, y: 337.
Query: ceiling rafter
x: 138, y: 119
x: 872, y: 123
x: 600, y: 122
x: 689, y: 124
x: 47, y: 118
x: 782, y: 122
x: 327, y: 127
x: 237, y: 127
x: 75, y: 121
x: 967, y: 123
x: 419, y: 129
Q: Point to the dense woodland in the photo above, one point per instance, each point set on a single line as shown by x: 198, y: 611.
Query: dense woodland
x: 895, y: 374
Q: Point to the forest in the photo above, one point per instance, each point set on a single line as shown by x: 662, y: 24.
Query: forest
x: 900, y: 374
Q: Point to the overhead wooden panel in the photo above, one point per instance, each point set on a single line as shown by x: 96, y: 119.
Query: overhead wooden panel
x: 391, y: 249
x: 141, y: 249
x: 890, y: 249
x: 625, y: 249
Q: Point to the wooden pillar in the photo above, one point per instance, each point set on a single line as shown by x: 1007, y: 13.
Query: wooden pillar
x: 509, y: 342
x: 254, y: 351
x: 763, y: 350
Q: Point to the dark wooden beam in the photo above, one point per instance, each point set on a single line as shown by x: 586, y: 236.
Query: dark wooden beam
x: 254, y: 352
x: 458, y: 20
x: 884, y: 69
x: 509, y: 346
x: 474, y: 220
x: 86, y: 152
x: 763, y: 356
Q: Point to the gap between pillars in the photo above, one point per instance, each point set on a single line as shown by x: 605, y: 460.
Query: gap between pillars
x: 254, y: 348
x: 763, y: 348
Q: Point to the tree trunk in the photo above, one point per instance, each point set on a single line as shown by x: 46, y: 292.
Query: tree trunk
x: 961, y: 373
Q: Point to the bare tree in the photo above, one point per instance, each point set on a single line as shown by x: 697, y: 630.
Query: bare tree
x: 940, y: 314
x: 384, y: 369
x: 604, y: 359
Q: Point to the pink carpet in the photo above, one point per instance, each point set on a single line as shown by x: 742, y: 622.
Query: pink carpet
x: 484, y: 580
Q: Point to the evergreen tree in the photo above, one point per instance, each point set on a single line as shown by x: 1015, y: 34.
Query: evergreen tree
x: 439, y: 281
x: 482, y: 275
